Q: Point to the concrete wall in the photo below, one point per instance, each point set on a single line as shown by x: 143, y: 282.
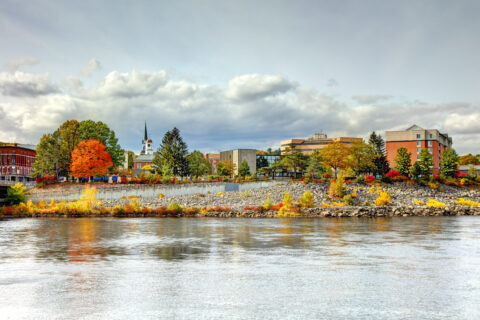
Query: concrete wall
x: 238, y: 155
x: 152, y: 191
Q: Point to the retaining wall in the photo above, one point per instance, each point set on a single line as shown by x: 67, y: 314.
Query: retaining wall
x: 152, y: 191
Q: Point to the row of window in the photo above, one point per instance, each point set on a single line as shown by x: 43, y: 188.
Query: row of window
x: 419, y: 136
x: 429, y: 143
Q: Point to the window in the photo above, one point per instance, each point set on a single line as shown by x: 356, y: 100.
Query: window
x: 418, y: 157
x: 418, y: 135
x: 430, y: 136
x: 418, y: 150
x: 429, y: 143
x: 430, y: 149
x: 419, y: 143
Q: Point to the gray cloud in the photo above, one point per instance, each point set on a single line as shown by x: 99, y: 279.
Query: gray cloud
x: 92, y: 66
x: 253, y: 111
x: 20, y: 84
x: 371, y: 99
x: 332, y: 83
x: 14, y: 65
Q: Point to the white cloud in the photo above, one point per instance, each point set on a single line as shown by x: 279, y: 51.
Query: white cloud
x: 257, y: 86
x: 251, y: 111
x: 14, y: 65
x: 92, y: 66
x: 21, y: 84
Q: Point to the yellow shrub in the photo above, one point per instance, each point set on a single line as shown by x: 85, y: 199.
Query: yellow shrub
x: 435, y: 203
x: 383, y: 199
x: 220, y: 194
x: 135, y: 204
x: 469, y: 203
x: 268, y: 202
x: 160, y: 196
x: 418, y: 202
x: 306, y: 200
x: 354, y: 193
x: 433, y: 185
x: 287, y: 200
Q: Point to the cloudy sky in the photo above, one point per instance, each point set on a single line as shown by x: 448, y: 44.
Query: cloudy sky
x: 246, y: 74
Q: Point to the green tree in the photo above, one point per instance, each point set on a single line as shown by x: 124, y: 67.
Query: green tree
x: 449, y: 162
x: 426, y: 162
x: 377, y: 143
x: 243, y: 169
x: 403, y: 161
x: 416, y: 170
x: 15, y: 194
x: 335, y: 155
x: 380, y: 162
x: 173, y: 152
x: 469, y: 159
x: 261, y: 162
x: 294, y: 159
x: 225, y: 168
x: 68, y: 137
x: 360, y: 158
x: 315, y: 167
x: 198, y: 164
x: 91, y: 130
x: 45, y: 163
x: 131, y: 157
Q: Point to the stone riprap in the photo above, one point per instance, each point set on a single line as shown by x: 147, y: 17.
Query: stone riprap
x: 402, y: 196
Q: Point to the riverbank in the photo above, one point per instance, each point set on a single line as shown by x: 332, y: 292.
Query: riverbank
x: 268, y: 202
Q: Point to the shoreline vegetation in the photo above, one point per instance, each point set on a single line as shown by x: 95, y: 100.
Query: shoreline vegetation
x: 336, y: 198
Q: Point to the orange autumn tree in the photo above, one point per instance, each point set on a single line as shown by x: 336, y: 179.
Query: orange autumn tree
x: 89, y: 158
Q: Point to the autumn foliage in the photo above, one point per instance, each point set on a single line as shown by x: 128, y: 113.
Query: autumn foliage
x: 89, y: 158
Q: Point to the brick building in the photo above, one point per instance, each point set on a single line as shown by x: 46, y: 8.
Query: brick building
x: 317, y: 142
x: 16, y: 162
x: 415, y: 139
x: 213, y: 159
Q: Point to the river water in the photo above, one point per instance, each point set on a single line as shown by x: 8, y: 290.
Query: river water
x: 149, y: 268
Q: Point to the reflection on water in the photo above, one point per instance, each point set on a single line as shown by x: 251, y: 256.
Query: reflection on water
x: 406, y: 268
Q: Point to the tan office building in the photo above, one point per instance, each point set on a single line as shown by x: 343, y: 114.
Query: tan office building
x: 317, y: 142
x: 238, y: 155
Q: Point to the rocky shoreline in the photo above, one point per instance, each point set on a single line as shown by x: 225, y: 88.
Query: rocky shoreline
x: 339, y: 212
x: 404, y: 203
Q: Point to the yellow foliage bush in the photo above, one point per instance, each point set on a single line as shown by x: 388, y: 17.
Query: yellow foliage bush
x: 435, y: 203
x: 268, y: 202
x: 433, y: 185
x: 306, y: 200
x: 287, y: 200
x: 418, y: 202
x: 383, y: 199
x: 160, y: 196
x: 469, y: 203
x: 220, y: 194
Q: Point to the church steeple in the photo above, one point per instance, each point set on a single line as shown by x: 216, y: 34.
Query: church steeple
x: 147, y: 144
x: 146, y: 135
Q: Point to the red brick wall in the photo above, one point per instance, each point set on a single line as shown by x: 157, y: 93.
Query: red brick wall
x: 392, y: 147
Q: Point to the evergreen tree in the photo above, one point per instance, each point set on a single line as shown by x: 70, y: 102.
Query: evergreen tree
x: 261, y: 162
x: 426, y: 162
x: 315, y: 167
x: 172, y: 152
x: 403, y: 161
x: 381, y: 165
x: 243, y: 169
x: 449, y: 163
x: 416, y: 170
x: 377, y: 143
x: 294, y: 159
